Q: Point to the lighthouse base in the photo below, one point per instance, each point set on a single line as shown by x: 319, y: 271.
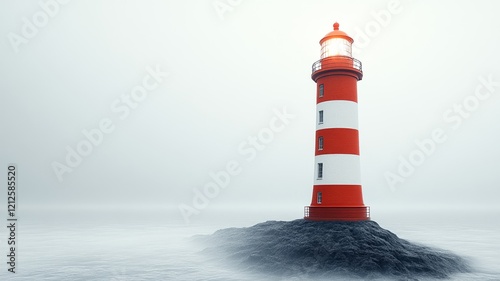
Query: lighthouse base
x: 337, y: 213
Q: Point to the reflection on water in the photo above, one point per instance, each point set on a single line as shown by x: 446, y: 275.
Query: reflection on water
x: 151, y: 244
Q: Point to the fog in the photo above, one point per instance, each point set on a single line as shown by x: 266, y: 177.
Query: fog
x: 165, y: 97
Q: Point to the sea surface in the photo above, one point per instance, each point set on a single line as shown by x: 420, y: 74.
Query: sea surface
x: 154, y: 244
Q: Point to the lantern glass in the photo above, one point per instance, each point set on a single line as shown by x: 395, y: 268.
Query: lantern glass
x: 336, y: 47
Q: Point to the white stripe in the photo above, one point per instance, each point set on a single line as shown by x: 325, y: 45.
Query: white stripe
x: 338, y: 169
x: 337, y: 114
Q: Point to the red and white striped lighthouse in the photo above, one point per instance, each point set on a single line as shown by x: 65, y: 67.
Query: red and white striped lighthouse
x: 337, y: 193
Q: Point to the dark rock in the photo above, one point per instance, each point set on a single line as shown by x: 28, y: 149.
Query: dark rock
x: 306, y: 248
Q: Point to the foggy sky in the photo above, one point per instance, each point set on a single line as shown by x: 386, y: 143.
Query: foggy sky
x: 225, y: 71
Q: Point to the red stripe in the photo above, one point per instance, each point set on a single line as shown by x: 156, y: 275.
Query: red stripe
x: 338, y: 195
x: 338, y: 141
x: 337, y: 87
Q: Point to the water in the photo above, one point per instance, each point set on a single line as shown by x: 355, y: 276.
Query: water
x: 152, y: 245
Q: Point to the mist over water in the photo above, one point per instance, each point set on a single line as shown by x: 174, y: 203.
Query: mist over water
x: 155, y: 244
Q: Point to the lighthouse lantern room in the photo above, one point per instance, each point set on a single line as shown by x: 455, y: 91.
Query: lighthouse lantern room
x: 337, y: 192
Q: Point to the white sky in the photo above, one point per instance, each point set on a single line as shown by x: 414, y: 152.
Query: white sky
x: 227, y: 75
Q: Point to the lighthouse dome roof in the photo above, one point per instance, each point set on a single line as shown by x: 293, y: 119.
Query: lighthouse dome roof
x: 336, y: 33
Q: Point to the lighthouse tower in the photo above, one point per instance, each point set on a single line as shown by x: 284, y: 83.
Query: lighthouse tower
x: 337, y: 193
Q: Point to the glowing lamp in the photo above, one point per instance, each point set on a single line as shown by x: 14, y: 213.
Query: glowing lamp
x: 336, y: 43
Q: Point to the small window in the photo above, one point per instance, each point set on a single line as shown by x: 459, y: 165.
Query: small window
x: 320, y: 117
x: 321, y: 90
x: 320, y: 143
x: 320, y: 171
x: 319, y: 197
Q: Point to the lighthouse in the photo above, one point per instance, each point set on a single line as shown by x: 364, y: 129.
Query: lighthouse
x: 337, y: 192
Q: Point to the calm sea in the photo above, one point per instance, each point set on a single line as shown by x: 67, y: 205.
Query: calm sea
x: 153, y: 244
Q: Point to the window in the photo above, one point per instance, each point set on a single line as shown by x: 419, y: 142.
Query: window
x: 320, y: 117
x: 320, y: 171
x: 320, y: 143
x: 321, y: 90
x: 319, y: 198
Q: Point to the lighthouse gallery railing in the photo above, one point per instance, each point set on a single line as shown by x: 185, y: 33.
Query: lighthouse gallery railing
x: 337, y: 62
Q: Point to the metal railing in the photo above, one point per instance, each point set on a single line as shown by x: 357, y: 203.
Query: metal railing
x: 337, y: 62
x: 349, y: 211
